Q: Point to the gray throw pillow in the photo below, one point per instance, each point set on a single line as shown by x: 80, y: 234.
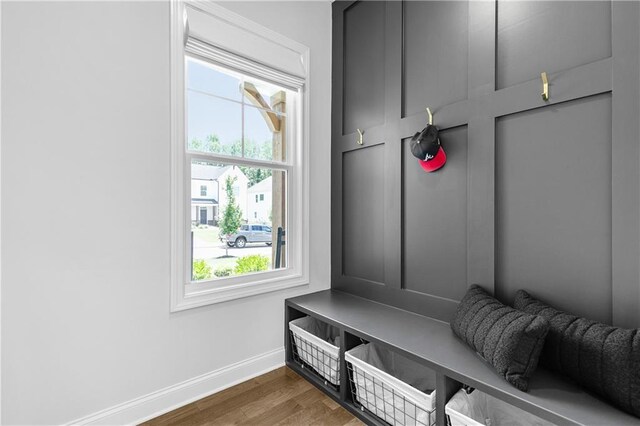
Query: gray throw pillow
x: 510, y: 340
x: 602, y: 358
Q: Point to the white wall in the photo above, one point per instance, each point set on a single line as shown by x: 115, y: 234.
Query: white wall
x: 85, y: 296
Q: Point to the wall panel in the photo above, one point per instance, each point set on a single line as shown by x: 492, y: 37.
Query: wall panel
x: 363, y: 219
x: 436, y: 41
x: 553, y: 205
x: 435, y: 221
x: 551, y: 36
x: 363, y: 90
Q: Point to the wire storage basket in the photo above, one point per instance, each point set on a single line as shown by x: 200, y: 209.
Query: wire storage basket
x: 476, y: 408
x: 392, y: 387
x: 316, y: 345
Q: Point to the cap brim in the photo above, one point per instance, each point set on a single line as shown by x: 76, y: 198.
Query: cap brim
x: 435, y: 163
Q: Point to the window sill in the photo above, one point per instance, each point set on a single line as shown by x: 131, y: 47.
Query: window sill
x: 196, y: 298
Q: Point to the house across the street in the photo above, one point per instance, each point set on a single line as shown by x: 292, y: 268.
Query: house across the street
x: 260, y: 201
x: 208, y: 197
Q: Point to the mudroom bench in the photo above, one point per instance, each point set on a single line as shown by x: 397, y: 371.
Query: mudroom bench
x: 432, y: 344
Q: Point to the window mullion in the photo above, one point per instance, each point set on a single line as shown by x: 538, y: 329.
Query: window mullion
x: 243, y: 108
x: 239, y: 161
x: 211, y: 95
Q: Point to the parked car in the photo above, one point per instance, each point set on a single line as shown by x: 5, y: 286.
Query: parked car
x: 250, y: 234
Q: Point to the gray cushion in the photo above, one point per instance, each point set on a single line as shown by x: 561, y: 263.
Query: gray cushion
x: 510, y: 340
x: 602, y: 358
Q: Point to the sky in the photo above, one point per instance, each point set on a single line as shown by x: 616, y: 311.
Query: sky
x: 222, y: 113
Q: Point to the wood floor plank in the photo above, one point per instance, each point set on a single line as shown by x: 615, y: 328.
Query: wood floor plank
x: 276, y: 413
x: 338, y: 417
x: 279, y: 397
x: 243, y: 387
x: 330, y: 403
x: 236, y: 417
x: 176, y: 416
x: 306, y: 415
x: 284, y: 394
x: 239, y: 401
x: 309, y: 397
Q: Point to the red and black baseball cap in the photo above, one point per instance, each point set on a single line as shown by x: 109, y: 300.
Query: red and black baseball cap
x: 426, y: 147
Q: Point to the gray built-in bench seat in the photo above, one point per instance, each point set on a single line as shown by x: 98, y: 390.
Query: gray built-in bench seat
x: 433, y: 344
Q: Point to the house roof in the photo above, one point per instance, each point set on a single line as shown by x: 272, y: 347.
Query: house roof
x: 264, y: 185
x: 203, y: 201
x: 206, y: 172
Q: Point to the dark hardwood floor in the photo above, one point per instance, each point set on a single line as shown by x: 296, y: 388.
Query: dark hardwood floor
x: 280, y: 397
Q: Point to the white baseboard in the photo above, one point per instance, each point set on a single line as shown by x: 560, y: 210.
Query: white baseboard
x: 164, y: 400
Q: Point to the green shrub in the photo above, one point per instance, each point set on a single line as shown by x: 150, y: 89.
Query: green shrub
x: 253, y: 263
x: 201, y: 270
x: 223, y: 271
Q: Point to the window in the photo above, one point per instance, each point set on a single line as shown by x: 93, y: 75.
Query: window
x: 238, y: 120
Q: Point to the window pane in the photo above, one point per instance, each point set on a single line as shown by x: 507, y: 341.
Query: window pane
x: 231, y: 230
x: 214, y: 124
x: 206, y: 78
x: 264, y: 134
x: 226, y: 110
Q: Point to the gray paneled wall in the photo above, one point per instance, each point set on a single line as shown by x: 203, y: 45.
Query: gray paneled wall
x: 363, y: 218
x: 363, y: 52
x: 537, y: 195
x: 437, y: 73
x: 435, y: 221
x: 549, y: 35
x: 553, y: 205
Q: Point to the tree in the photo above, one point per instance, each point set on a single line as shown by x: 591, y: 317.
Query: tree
x: 211, y: 144
x: 231, y: 215
x: 255, y: 175
x: 252, y: 149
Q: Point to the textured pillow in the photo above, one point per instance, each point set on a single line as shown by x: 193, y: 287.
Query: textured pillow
x: 510, y: 340
x: 602, y: 358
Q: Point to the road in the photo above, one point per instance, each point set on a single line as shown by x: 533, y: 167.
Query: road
x: 207, y: 250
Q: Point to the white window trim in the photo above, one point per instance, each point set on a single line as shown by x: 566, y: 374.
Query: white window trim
x: 194, y: 295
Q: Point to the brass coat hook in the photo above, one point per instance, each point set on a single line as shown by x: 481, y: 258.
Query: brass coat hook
x: 545, y: 86
x: 430, y: 114
x: 360, y: 140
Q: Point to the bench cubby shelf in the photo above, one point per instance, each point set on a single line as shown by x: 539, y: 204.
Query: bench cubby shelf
x: 431, y: 343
